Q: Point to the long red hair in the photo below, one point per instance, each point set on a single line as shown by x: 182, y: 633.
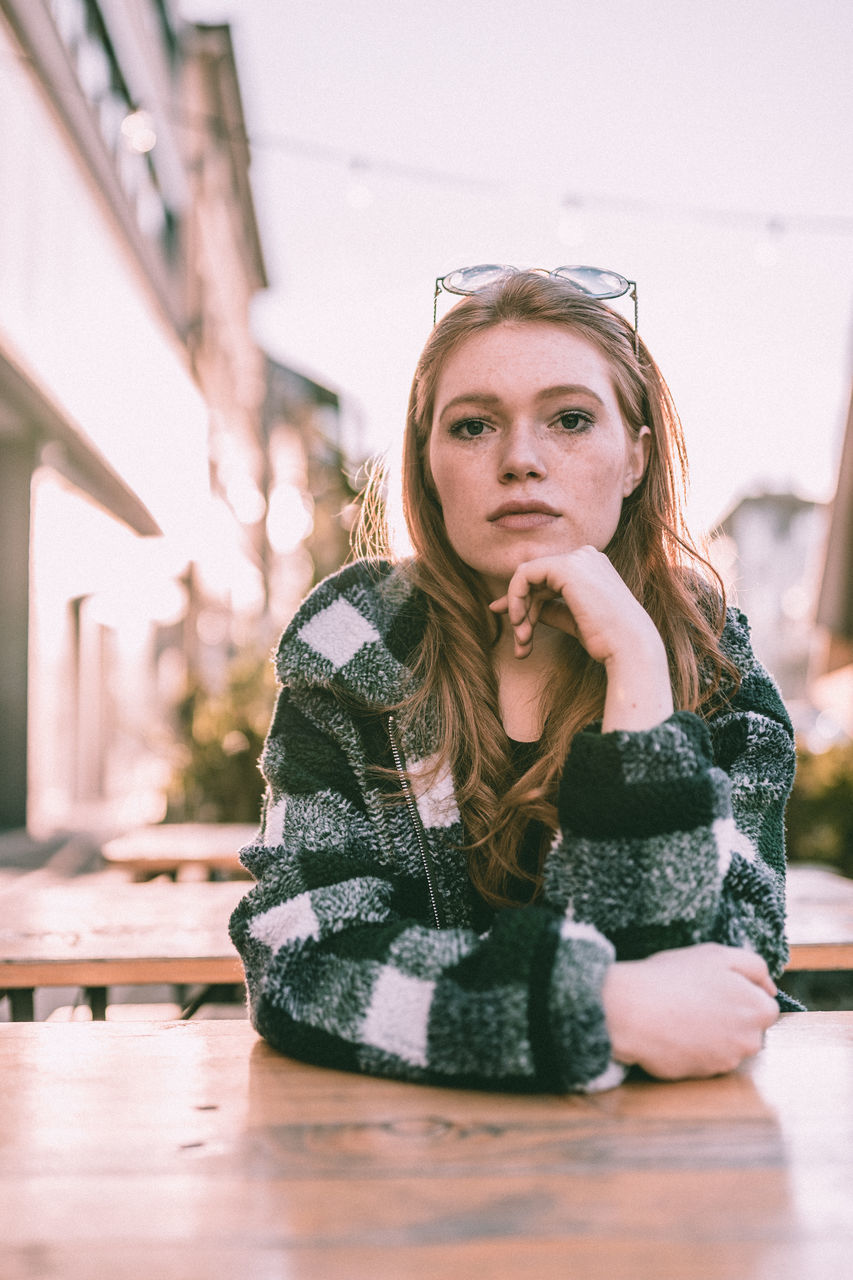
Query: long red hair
x: 651, y: 550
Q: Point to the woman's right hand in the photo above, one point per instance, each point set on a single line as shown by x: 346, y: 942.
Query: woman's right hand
x: 692, y: 1012
x: 581, y: 593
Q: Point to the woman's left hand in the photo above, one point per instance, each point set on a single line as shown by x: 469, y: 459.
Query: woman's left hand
x: 581, y: 594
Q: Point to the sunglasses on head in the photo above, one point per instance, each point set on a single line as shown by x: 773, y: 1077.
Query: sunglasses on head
x: 594, y: 282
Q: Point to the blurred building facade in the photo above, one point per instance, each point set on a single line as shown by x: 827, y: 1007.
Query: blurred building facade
x: 311, y: 498
x: 769, y: 550
x: 832, y: 665
x: 135, y: 472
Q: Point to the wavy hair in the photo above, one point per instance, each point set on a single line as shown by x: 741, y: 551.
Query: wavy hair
x: 651, y: 550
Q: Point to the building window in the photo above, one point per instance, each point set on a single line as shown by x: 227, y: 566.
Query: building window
x: 83, y: 32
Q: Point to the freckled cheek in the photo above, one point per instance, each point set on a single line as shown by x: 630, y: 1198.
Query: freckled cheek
x: 458, y: 501
x: 600, y: 480
x: 448, y: 480
x: 455, y: 505
x: 592, y: 498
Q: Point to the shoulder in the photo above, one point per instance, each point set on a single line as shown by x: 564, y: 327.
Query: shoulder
x: 360, y: 584
x: 354, y: 626
x: 363, y: 597
x: 736, y: 639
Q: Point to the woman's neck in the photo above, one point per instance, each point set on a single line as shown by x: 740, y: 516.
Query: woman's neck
x: 522, y: 681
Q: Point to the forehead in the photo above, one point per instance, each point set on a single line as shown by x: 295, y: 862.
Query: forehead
x: 515, y: 355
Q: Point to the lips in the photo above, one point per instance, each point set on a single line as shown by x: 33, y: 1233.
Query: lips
x: 522, y: 508
x: 523, y: 515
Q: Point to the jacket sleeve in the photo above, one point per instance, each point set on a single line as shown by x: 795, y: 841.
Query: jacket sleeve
x: 676, y: 835
x: 342, y: 970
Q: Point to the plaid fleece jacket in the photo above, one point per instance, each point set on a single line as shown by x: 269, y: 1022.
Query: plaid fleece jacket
x: 365, y: 946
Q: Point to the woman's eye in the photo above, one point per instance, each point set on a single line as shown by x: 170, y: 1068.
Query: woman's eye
x: 469, y: 428
x: 574, y: 420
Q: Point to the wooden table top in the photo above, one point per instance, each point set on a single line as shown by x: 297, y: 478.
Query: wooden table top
x: 189, y: 1150
x: 168, y: 846
x: 820, y: 918
x: 113, y: 932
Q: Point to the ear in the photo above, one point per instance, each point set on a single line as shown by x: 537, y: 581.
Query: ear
x: 636, y: 458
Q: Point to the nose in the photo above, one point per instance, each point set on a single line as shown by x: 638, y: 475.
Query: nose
x: 522, y: 457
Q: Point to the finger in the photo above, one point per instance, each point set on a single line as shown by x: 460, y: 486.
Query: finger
x: 772, y: 1014
x: 518, y: 605
x: 539, y: 573
x: 523, y: 640
x: 525, y: 628
x: 523, y: 637
x: 753, y: 967
x: 522, y: 630
x: 557, y: 614
x: 519, y: 593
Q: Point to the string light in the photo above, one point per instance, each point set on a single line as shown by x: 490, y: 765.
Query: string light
x: 571, y: 224
x: 570, y: 216
x: 138, y: 132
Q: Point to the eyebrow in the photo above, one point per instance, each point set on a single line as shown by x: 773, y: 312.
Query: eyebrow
x: 487, y: 398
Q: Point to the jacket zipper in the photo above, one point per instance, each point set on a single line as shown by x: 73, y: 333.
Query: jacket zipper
x: 418, y: 825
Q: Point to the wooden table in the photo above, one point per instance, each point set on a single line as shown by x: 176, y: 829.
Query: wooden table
x: 820, y: 920
x: 112, y: 932
x: 193, y: 1150
x: 170, y: 847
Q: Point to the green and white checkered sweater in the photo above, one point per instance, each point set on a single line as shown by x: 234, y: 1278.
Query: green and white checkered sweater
x: 667, y: 837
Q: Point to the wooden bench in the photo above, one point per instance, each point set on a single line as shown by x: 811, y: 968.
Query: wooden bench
x: 113, y: 932
x: 204, y: 848
x: 820, y: 918
x: 98, y: 935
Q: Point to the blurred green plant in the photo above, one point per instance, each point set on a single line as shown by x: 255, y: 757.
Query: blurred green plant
x: 215, y: 777
x: 820, y: 811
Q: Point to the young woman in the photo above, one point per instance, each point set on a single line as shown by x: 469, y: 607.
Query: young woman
x: 526, y: 789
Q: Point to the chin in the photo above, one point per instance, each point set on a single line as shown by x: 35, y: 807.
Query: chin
x: 523, y: 549
x: 496, y: 575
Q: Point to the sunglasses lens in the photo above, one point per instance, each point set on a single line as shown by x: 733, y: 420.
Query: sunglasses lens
x: 594, y: 282
x: 472, y: 279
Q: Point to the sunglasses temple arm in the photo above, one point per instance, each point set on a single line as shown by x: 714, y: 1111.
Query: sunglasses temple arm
x: 435, y: 300
x: 636, y: 322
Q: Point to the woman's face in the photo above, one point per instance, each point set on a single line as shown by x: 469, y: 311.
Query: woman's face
x: 528, y: 450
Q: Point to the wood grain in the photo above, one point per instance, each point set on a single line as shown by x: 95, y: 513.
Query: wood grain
x: 195, y: 1150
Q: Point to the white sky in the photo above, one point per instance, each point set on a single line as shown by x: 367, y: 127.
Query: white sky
x: 501, y: 111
